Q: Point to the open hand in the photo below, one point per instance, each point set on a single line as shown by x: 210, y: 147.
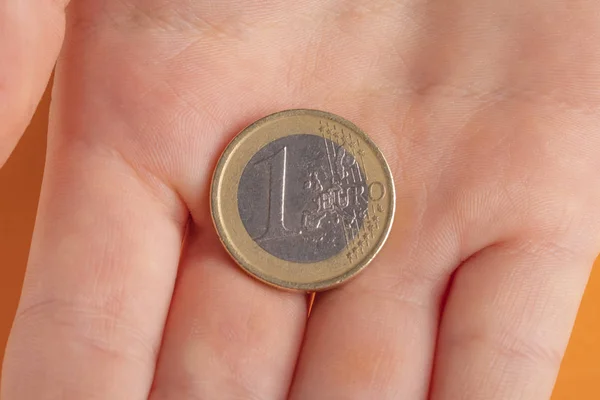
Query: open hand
x: 487, y: 111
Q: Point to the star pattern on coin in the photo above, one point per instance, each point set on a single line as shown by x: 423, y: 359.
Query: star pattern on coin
x: 375, y: 220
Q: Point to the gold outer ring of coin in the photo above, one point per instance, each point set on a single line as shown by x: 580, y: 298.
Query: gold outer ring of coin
x: 259, y: 263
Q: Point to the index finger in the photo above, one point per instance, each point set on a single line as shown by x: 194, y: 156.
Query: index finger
x: 100, y: 276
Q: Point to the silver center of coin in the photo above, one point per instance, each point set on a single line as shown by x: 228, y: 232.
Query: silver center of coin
x: 303, y: 198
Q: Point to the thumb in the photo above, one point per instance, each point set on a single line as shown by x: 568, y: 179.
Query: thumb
x: 31, y: 34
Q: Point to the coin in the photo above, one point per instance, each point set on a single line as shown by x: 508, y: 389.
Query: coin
x: 302, y: 200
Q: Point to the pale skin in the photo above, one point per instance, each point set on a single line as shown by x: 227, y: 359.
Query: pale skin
x: 488, y: 112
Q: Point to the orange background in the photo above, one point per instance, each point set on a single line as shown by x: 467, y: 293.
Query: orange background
x: 20, y: 181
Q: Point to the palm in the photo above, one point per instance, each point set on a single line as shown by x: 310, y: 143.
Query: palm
x: 489, y: 132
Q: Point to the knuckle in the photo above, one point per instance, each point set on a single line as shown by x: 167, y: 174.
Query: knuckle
x: 533, y: 352
x: 101, y: 329
x: 509, y: 348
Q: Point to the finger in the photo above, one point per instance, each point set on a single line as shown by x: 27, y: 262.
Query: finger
x: 100, y: 275
x: 374, y: 337
x: 507, y: 322
x: 228, y: 335
x: 31, y: 33
x: 360, y: 345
